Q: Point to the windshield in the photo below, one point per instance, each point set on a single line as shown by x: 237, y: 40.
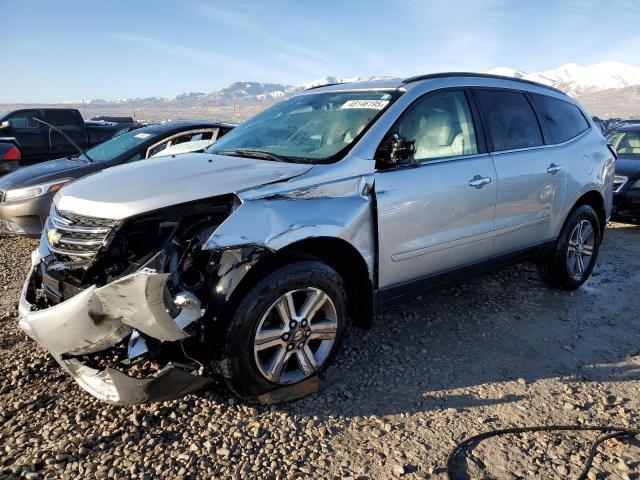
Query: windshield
x: 118, y: 145
x: 626, y: 143
x: 309, y: 128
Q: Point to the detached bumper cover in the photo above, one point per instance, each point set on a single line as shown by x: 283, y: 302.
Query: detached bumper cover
x: 97, y: 319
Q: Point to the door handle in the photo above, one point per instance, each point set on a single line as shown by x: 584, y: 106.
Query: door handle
x: 553, y: 169
x: 479, y: 182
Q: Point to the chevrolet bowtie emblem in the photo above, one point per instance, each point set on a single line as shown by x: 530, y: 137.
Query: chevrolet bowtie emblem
x: 53, y: 236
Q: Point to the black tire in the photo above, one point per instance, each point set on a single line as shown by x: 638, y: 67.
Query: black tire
x: 554, y: 269
x: 238, y: 364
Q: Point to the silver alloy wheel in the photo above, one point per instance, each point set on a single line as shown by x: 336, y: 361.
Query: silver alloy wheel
x: 580, y: 250
x: 295, y: 336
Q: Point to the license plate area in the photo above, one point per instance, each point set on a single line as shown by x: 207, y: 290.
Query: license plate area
x: 52, y: 287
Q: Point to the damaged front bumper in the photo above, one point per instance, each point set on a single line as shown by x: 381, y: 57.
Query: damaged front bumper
x: 100, y: 318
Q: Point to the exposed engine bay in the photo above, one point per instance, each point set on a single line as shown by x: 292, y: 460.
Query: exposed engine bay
x: 144, y: 297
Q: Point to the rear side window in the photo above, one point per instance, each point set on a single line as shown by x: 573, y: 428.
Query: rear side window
x: 510, y: 119
x: 565, y: 120
x: 62, y: 118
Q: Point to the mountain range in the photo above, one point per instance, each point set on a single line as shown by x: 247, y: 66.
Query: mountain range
x: 605, y: 89
x: 238, y: 92
x: 577, y: 80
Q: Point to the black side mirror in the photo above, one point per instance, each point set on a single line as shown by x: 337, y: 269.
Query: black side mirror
x: 397, y: 148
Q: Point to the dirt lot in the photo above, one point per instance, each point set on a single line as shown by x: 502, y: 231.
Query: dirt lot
x: 498, y: 351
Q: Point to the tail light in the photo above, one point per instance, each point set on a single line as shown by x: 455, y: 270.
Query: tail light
x: 613, y: 151
x: 12, y: 154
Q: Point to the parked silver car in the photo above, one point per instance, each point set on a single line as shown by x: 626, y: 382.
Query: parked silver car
x: 248, y: 261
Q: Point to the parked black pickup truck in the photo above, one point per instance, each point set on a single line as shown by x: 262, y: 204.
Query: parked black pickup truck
x: 37, y: 142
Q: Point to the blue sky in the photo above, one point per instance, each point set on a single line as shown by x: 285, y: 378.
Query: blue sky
x: 65, y: 50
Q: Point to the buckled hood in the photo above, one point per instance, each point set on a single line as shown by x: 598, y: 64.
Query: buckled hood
x: 128, y: 190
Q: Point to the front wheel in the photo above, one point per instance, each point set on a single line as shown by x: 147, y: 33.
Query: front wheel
x: 286, y: 329
x: 575, y: 254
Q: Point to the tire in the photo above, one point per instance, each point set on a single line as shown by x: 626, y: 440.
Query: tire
x: 249, y: 369
x: 561, y: 268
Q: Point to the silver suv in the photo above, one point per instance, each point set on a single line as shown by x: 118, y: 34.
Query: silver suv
x: 248, y: 261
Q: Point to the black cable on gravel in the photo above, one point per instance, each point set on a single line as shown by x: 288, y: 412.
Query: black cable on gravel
x: 609, y: 433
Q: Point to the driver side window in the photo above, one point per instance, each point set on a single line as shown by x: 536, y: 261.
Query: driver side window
x: 441, y: 125
x: 24, y: 120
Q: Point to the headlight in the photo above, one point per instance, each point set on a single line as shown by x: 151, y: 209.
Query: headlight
x: 34, y: 190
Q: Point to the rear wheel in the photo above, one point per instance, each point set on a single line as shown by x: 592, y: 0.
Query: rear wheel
x: 575, y: 254
x: 286, y: 329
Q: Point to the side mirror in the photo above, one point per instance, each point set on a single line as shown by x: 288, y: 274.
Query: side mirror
x: 397, y: 148
x: 5, y: 125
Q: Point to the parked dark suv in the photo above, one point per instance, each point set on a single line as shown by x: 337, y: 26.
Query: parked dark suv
x: 626, y: 196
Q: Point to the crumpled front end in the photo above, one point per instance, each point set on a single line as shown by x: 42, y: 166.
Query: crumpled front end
x: 123, y: 306
x: 132, y: 309
x: 100, y: 319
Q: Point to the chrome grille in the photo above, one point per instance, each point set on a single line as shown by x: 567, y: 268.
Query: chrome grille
x: 74, y: 235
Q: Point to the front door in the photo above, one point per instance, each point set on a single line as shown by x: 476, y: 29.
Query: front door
x: 437, y: 213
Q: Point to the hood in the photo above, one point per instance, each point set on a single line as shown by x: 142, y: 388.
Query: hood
x: 628, y: 165
x: 45, y: 172
x: 139, y: 187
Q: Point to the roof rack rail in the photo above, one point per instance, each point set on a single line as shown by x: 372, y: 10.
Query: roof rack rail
x: 477, y: 75
x: 326, y: 85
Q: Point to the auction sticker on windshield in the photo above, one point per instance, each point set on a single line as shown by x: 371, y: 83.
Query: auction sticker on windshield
x: 373, y: 104
x: 142, y: 135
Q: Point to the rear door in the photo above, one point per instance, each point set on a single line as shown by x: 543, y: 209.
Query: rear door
x: 531, y: 183
x: 72, y: 124
x: 438, y: 213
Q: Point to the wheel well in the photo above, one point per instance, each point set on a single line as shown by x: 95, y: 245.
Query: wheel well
x: 348, y: 262
x: 338, y: 254
x: 594, y: 199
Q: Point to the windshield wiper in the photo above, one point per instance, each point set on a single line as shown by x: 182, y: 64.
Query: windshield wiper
x: 254, y: 154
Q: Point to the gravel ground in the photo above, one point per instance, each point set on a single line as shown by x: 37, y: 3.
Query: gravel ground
x: 496, y: 352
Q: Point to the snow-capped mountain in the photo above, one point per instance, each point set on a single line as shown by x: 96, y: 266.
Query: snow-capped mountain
x: 256, y: 92
x: 329, y: 80
x: 578, y: 80
x: 236, y: 93
x: 245, y: 92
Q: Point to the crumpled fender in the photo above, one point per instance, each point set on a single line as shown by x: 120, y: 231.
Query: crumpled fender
x: 339, y: 209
